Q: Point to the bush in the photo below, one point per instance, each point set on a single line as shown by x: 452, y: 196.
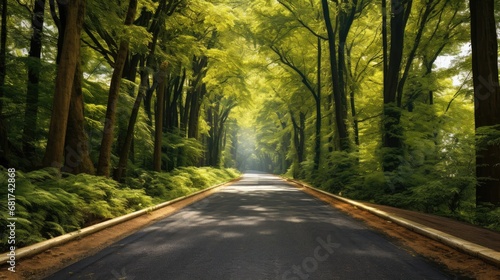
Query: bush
x: 443, y: 196
x: 43, y: 211
x: 373, y: 185
x: 488, y: 215
x: 180, y: 181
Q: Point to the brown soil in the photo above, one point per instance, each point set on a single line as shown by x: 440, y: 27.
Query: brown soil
x: 453, y: 260
x: 478, y: 235
x: 50, y: 261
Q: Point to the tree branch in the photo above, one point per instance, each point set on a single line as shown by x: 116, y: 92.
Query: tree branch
x: 288, y: 63
x: 302, y: 22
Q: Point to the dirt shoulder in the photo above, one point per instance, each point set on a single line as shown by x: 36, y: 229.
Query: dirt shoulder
x: 439, y: 253
x: 477, y: 235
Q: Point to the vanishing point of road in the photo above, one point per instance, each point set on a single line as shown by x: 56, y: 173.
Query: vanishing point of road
x: 258, y: 228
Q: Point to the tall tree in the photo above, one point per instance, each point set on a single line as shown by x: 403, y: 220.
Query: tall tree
x: 487, y: 98
x: 127, y: 143
x: 338, y: 89
x: 104, y: 164
x: 70, y: 53
x: 391, y: 128
x: 76, y: 147
x: 195, y: 95
x: 34, y: 65
x: 315, y: 92
x: 217, y: 115
x: 426, y: 12
x: 155, y: 21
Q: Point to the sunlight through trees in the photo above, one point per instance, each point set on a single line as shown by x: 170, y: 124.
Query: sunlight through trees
x: 348, y: 95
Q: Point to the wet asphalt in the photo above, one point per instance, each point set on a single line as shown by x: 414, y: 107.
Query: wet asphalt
x: 258, y: 228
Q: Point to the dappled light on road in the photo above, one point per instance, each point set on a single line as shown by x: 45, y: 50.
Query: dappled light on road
x: 258, y: 228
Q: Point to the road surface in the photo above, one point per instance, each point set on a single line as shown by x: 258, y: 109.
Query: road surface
x: 259, y: 228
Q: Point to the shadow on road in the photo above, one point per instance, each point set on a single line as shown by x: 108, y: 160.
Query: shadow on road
x: 257, y: 228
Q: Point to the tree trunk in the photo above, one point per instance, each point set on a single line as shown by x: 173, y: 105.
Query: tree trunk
x: 172, y: 111
x: 195, y: 96
x: 194, y: 112
x: 487, y: 97
x: 354, y: 117
x: 184, y: 112
x: 3, y: 129
x: 159, y: 112
x: 316, y: 93
x: 34, y: 65
x: 346, y: 19
x: 391, y: 129
x: 70, y: 52
x: 385, y: 39
x: 428, y: 73
x: 317, y: 136
x: 103, y: 167
x: 213, y: 134
x: 285, y: 145
x: 428, y: 10
x: 60, y: 23
x: 340, y: 108
x: 129, y: 73
x: 77, y: 154
x: 216, y: 118
x: 147, y: 101
x: 235, y: 147
x: 126, y: 148
x: 130, y: 69
x: 299, y: 136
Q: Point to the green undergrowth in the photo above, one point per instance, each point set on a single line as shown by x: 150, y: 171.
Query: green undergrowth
x: 179, y: 182
x: 50, y: 204
x: 453, y: 198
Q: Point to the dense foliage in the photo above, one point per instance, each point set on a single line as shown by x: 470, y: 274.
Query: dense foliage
x: 50, y: 203
x: 405, y: 132
x: 394, y: 103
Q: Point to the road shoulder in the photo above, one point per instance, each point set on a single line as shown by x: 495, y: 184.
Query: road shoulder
x: 437, y: 252
x: 56, y: 258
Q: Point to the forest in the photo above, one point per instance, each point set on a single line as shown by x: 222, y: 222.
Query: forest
x: 111, y: 106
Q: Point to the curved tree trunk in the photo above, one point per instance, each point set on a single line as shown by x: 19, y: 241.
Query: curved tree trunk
x: 104, y: 165
x: 125, y: 149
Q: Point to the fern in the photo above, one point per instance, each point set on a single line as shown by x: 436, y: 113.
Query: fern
x: 49, y: 204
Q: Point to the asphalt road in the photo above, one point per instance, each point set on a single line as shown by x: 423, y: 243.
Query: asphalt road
x: 259, y: 228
